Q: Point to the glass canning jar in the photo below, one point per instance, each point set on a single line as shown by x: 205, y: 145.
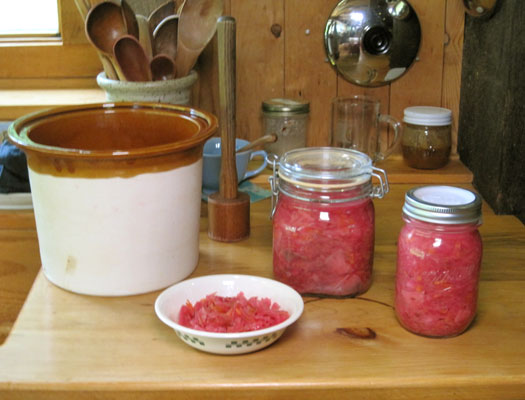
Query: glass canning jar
x: 323, y: 220
x: 288, y: 120
x: 426, y: 141
x: 438, y: 261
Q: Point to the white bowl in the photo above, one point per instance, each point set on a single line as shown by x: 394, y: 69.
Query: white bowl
x: 170, y: 301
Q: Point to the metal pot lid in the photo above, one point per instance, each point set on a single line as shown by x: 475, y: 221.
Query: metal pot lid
x: 372, y: 42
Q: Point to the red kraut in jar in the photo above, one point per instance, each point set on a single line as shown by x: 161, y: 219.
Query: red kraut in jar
x: 324, y: 248
x: 437, y: 278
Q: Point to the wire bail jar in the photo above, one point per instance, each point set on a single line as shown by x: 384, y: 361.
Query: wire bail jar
x: 438, y: 261
x: 323, y: 220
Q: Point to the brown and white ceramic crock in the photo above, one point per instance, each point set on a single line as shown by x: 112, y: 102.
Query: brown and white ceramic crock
x: 116, y: 189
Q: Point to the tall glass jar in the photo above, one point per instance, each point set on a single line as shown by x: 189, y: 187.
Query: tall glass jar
x: 426, y: 142
x: 288, y: 120
x: 438, y: 261
x: 323, y: 221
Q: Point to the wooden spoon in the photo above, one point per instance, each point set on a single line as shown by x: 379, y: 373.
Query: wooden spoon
x: 161, y: 12
x: 197, y: 25
x: 104, y: 25
x: 130, y: 19
x: 257, y: 142
x: 83, y: 9
x: 132, y: 59
x: 145, y: 37
x: 162, y: 67
x: 179, y: 6
x: 165, y: 36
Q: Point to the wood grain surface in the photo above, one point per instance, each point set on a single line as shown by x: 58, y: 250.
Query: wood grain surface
x: 65, y: 345
x: 19, y: 264
x: 294, y: 64
x: 280, y: 53
x: 492, y: 142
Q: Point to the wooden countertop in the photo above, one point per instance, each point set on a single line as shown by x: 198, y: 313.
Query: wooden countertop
x: 65, y: 345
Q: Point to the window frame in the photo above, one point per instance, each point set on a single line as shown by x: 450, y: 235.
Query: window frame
x: 25, y: 61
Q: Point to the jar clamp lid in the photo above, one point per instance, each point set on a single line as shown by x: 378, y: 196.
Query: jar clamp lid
x: 327, y: 169
x: 286, y: 106
x: 428, y: 116
x: 443, y: 205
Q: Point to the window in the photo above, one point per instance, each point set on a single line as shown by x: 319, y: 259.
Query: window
x: 29, y: 17
x: 43, y: 61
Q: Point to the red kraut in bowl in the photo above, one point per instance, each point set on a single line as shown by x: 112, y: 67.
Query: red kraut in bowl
x: 231, y: 314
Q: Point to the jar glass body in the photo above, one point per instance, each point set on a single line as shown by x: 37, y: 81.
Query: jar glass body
x: 426, y: 147
x: 437, y: 277
x: 323, y: 243
x: 290, y: 128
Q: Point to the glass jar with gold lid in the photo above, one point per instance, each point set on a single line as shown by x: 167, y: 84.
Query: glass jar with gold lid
x: 288, y: 119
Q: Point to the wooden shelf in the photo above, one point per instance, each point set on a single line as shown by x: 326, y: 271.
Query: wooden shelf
x: 16, y: 103
x: 398, y: 172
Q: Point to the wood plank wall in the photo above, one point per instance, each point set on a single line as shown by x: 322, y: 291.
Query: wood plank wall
x: 293, y: 63
x: 280, y: 53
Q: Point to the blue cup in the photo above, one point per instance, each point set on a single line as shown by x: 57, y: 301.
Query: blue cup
x: 211, y: 168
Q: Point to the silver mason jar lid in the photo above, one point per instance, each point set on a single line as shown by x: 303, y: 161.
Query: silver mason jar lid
x: 447, y: 205
x: 286, y: 106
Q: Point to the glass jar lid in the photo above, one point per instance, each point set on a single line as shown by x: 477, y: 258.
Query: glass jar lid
x: 347, y: 173
x: 286, y: 106
x: 325, y: 168
x: 428, y: 116
x: 443, y: 205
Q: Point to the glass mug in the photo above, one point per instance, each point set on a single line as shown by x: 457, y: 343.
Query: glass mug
x: 356, y: 123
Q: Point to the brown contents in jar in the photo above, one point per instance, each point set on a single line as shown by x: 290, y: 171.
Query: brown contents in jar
x: 426, y: 147
x: 431, y: 158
